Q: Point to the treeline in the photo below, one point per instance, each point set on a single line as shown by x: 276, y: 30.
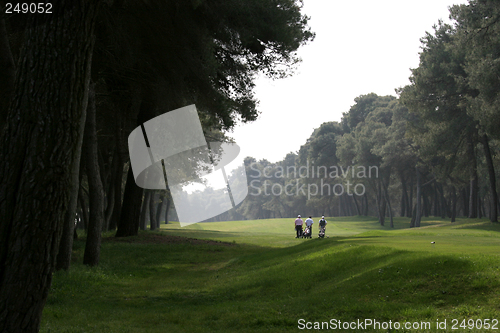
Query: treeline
x: 435, y: 146
x: 370, y: 164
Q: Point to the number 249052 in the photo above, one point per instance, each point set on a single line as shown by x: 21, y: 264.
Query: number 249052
x: 32, y: 8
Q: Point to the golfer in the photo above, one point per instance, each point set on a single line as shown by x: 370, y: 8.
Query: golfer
x: 322, y: 223
x: 309, y: 223
x: 298, y: 226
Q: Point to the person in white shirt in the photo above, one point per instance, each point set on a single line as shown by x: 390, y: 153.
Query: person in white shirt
x: 309, y: 223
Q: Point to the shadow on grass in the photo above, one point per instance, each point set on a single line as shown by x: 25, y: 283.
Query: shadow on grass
x: 184, y: 287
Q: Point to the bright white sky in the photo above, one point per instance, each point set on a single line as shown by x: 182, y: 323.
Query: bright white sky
x: 360, y: 47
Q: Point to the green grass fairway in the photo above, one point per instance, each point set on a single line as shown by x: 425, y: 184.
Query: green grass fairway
x: 449, y: 237
x: 254, y: 276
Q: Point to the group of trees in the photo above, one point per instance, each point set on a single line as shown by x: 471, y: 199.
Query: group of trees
x: 434, y: 147
x: 373, y: 162
x: 75, y: 82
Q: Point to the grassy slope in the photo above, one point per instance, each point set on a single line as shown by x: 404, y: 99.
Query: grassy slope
x: 268, y: 279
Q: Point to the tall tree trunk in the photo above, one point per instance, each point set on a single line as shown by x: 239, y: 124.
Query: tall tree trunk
x: 7, y: 72
x: 454, y: 203
x: 381, y: 204
x: 110, y: 207
x: 492, y: 177
x: 39, y: 149
x: 69, y: 228
x: 480, y: 207
x: 444, y: 204
x: 358, y: 211
x: 118, y: 176
x: 465, y: 201
x: 83, y: 205
x: 132, y: 196
x: 144, y: 210
x: 435, y: 200
x: 96, y: 190
x: 473, y: 197
x: 387, y: 199
x: 346, y: 207
x: 167, y: 208
x: 410, y: 198
x: 383, y: 210
x: 425, y: 200
x: 418, y: 209
x: 365, y: 212
x: 128, y: 225
x: 159, y: 208
x: 117, y: 183
x: 404, y: 196
x: 473, y: 182
x: 414, y: 216
x: 152, y: 212
x: 111, y: 190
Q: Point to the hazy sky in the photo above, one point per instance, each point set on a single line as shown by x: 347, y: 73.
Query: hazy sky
x: 360, y: 47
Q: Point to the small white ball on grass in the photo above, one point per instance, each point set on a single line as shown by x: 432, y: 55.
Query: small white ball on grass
x: 433, y: 242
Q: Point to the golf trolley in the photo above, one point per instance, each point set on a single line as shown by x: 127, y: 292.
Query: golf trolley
x: 322, y: 232
x: 306, y: 233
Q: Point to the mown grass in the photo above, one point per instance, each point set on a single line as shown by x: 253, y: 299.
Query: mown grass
x: 266, y: 280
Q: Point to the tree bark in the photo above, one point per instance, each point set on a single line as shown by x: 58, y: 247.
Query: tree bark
x: 465, y: 201
x: 7, y: 72
x: 118, y: 179
x: 404, y: 197
x: 418, y: 210
x: 109, y: 207
x: 114, y: 173
x: 410, y: 197
x: 117, y: 183
x: 383, y: 209
x: 152, y: 212
x: 387, y: 199
x: 159, y: 208
x: 473, y: 182
x: 425, y: 200
x: 167, y: 208
x: 39, y: 149
x: 381, y: 204
x: 365, y: 212
x: 358, y: 211
x: 144, y: 210
x: 444, y: 204
x: 83, y: 205
x: 96, y: 190
x: 492, y: 177
x: 454, y: 203
x: 480, y: 207
x: 345, y: 207
x: 128, y: 225
x: 436, y: 207
x: 69, y: 229
x: 414, y: 215
x: 132, y: 196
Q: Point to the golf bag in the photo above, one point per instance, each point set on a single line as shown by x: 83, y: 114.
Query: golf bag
x: 322, y: 232
x: 307, y: 233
